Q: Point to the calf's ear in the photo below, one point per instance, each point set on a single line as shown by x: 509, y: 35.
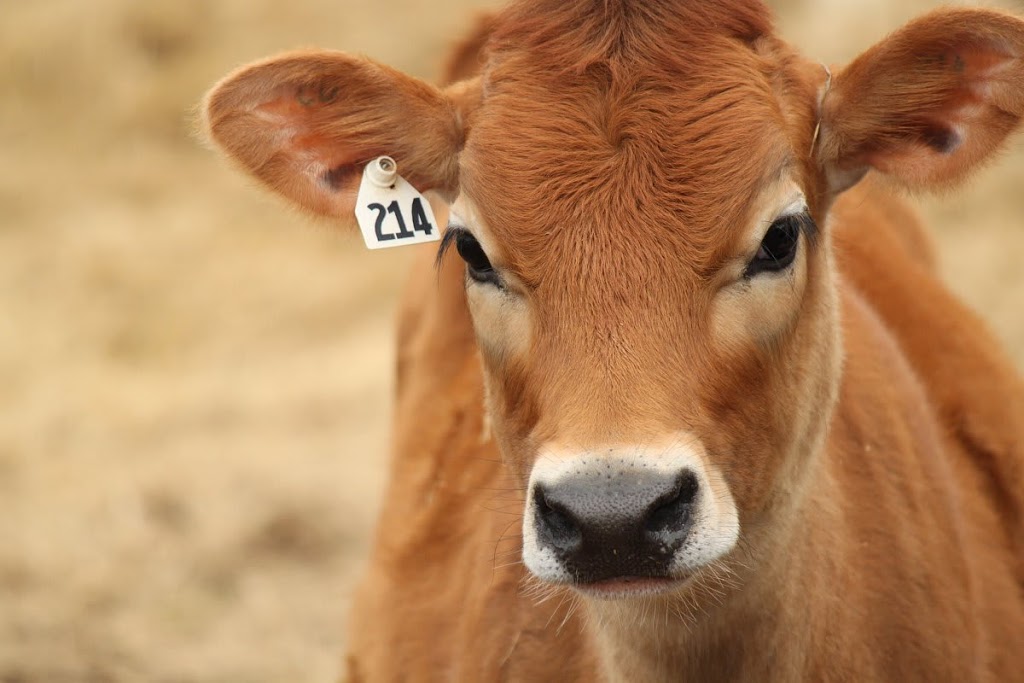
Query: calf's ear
x: 306, y: 123
x: 928, y: 104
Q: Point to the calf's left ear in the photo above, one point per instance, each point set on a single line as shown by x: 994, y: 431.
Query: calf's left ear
x: 928, y: 104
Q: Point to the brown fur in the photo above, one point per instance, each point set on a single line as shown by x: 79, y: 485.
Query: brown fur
x: 873, y: 437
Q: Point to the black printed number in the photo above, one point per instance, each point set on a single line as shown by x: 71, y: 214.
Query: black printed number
x: 395, y: 210
x: 378, y: 226
x: 419, y: 220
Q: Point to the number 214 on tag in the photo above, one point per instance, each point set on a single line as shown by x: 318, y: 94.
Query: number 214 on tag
x: 390, y: 211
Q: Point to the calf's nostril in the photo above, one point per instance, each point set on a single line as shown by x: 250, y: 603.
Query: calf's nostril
x: 670, y: 512
x: 556, y: 524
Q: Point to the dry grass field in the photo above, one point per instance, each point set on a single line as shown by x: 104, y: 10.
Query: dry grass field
x: 194, y: 380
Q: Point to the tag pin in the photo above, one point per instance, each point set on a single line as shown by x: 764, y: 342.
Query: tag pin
x: 382, y: 172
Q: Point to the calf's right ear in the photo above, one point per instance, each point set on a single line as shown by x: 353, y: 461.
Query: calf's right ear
x: 306, y: 123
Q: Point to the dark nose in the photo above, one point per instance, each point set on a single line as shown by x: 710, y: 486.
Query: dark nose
x: 605, y: 526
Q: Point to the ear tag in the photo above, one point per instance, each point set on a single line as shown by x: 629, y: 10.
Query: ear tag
x: 390, y: 211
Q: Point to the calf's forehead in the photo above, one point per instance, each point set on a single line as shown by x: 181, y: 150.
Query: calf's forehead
x: 623, y: 164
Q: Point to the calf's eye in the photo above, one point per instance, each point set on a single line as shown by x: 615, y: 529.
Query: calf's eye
x: 779, y: 246
x: 478, y: 266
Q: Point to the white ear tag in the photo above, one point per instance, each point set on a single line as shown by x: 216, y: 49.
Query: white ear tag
x: 390, y: 211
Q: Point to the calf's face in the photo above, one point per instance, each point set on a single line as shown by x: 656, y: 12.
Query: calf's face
x: 643, y: 224
x: 651, y: 297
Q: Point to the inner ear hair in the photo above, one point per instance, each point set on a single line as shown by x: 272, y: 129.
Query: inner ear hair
x: 821, y: 101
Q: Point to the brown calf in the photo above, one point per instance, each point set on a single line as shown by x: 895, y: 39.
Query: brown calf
x: 698, y: 359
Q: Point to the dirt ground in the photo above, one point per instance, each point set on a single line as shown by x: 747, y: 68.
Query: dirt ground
x: 194, y: 380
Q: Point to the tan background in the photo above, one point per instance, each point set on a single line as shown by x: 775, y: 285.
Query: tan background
x: 194, y: 381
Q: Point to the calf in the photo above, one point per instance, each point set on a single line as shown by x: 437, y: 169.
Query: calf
x: 680, y: 341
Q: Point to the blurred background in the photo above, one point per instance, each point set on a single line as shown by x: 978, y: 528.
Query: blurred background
x: 195, y: 381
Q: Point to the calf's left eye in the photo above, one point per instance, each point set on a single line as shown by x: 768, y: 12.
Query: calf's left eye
x: 779, y: 246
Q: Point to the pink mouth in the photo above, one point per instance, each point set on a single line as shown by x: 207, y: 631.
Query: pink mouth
x: 630, y: 587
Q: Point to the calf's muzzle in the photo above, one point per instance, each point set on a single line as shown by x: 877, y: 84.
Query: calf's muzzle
x: 607, y: 525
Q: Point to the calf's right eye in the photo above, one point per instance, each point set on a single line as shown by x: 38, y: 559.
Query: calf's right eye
x: 478, y: 266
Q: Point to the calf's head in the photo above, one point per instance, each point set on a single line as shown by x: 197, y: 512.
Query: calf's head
x: 640, y: 194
